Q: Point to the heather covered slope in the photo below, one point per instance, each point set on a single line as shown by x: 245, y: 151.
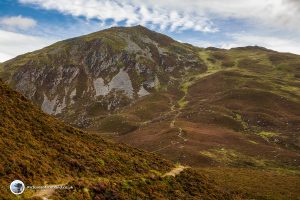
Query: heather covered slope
x: 39, y: 149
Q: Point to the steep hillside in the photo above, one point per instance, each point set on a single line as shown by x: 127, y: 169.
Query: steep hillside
x: 40, y: 150
x: 238, y: 107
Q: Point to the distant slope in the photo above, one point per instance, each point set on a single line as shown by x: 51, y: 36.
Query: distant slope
x: 39, y: 149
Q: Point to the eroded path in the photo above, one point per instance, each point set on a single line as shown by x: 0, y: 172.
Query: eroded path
x: 46, y: 193
x: 176, y: 107
x: 175, y: 171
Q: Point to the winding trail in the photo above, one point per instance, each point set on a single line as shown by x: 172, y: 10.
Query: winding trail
x: 176, y: 108
x: 185, y: 82
x: 46, y: 193
x: 175, y: 171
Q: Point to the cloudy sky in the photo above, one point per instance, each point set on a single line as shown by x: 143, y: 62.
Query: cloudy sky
x: 27, y: 25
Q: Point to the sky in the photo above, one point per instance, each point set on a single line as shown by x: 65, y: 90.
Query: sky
x: 28, y: 25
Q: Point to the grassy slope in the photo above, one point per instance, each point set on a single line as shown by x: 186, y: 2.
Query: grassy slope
x: 39, y: 149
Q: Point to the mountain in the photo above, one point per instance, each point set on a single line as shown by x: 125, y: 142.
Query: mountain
x: 196, y: 106
x: 88, y: 77
x: 41, y: 150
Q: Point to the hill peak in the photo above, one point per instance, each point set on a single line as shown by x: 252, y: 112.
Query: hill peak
x: 138, y: 32
x: 137, y: 27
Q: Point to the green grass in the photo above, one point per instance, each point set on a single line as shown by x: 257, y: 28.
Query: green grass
x: 191, y: 78
x: 230, y: 157
x: 239, y: 119
x: 182, y: 103
x: 101, y: 162
x: 252, y: 142
x: 266, y: 135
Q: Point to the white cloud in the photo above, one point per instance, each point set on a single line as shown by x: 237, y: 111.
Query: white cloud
x: 18, y: 22
x: 132, y: 12
x: 4, y: 57
x: 201, y: 43
x: 280, y: 14
x: 181, y: 15
x: 13, y: 44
